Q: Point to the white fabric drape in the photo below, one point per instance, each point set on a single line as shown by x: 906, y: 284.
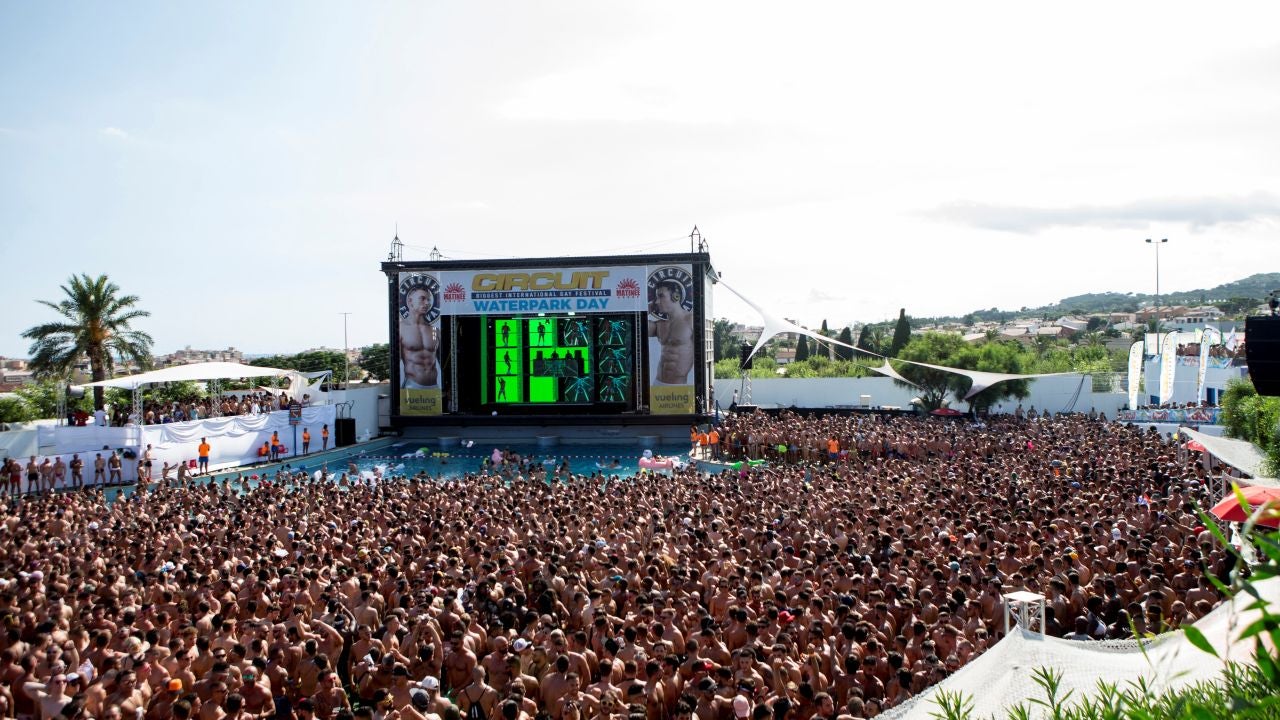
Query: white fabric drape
x: 233, y: 440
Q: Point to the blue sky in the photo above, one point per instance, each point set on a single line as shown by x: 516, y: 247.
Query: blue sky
x: 242, y: 166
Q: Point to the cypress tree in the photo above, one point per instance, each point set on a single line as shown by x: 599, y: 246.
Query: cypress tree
x: 901, y: 333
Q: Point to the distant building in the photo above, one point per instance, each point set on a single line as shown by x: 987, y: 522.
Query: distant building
x: 1197, y: 317
x: 11, y: 380
x: 746, y: 333
x: 187, y: 356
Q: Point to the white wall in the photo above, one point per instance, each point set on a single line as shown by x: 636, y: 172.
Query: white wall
x: 1186, y: 379
x: 363, y: 399
x: 1051, y: 393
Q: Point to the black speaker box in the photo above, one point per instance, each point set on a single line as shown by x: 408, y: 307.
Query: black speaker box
x: 344, y: 432
x: 1262, y: 351
x: 744, y: 357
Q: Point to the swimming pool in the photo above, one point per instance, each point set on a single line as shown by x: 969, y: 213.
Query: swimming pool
x: 409, y: 457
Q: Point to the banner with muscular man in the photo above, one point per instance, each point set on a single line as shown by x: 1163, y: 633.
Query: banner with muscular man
x: 419, y: 349
x: 671, y: 348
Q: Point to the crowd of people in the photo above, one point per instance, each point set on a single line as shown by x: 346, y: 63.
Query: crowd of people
x: 160, y: 412
x: 867, y: 567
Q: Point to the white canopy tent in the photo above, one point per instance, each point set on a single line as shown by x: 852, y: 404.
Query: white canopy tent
x: 1239, y: 454
x: 206, y: 371
x: 1002, y: 676
x: 194, y: 371
x: 235, y: 439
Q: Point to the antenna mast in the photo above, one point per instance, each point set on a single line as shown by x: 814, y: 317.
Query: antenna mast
x: 397, y: 247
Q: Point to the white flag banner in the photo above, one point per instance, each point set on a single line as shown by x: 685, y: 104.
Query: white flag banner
x: 1168, y: 366
x: 1210, y: 337
x: 1135, y: 373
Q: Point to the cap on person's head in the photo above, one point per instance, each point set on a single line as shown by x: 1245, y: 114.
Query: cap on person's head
x: 785, y: 617
x: 420, y: 699
x: 430, y: 683
x: 520, y: 645
x: 175, y: 685
x: 741, y: 707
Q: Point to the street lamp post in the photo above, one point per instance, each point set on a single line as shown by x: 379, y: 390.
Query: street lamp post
x: 1157, y: 244
x: 346, y: 354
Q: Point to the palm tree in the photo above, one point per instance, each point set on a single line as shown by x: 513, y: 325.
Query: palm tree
x: 96, y: 326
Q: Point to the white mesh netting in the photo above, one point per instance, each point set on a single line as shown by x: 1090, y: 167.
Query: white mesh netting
x: 1002, y: 676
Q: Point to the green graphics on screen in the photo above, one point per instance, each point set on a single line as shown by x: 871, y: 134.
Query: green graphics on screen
x: 570, y: 360
x: 615, y: 359
x: 508, y: 354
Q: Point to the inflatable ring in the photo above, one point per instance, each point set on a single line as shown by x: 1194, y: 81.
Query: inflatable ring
x: 653, y: 463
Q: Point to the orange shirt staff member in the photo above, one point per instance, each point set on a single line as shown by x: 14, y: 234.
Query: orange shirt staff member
x: 324, y: 438
x: 204, y: 456
x: 275, y: 446
x: 306, y: 440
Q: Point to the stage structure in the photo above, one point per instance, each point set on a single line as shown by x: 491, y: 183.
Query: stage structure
x: 551, y: 340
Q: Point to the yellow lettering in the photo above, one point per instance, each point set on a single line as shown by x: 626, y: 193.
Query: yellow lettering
x: 546, y: 280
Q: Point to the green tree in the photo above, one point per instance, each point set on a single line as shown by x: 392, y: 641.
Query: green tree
x: 1237, y: 305
x: 864, y: 338
x: 41, y: 399
x: 723, y: 342
x: 846, y: 337
x: 310, y: 361
x: 950, y: 350
x: 15, y: 410
x: 997, y: 357
x: 95, y: 325
x: 824, y: 331
x: 901, y: 334
x: 376, y: 360
x: 802, y: 349
x: 1247, y: 415
x: 935, y: 349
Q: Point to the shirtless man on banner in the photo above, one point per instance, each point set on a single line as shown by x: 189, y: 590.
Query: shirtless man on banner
x: 674, y: 332
x: 418, y: 343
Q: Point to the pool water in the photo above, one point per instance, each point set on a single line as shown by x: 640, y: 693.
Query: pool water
x: 412, y: 457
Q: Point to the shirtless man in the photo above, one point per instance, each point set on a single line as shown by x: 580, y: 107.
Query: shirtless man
x: 99, y: 470
x: 674, y: 332
x: 50, y: 698
x: 115, y: 469
x: 418, y: 342
x: 77, y: 472
x: 477, y: 693
x: 33, y: 475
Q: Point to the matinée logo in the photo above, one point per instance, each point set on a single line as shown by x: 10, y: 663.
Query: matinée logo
x: 453, y: 292
x: 627, y: 288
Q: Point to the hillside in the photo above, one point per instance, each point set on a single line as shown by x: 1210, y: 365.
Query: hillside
x: 1254, y: 287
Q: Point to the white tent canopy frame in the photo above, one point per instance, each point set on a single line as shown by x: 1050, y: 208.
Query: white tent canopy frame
x: 206, y: 371
x: 1239, y: 454
x: 774, y: 326
x: 194, y: 371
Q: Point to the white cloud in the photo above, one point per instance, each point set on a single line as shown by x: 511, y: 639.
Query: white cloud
x: 1197, y: 212
x: 114, y: 132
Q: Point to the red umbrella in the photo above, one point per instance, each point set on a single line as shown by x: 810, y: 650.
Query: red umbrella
x: 947, y: 412
x: 1229, y: 508
x: 1194, y: 445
